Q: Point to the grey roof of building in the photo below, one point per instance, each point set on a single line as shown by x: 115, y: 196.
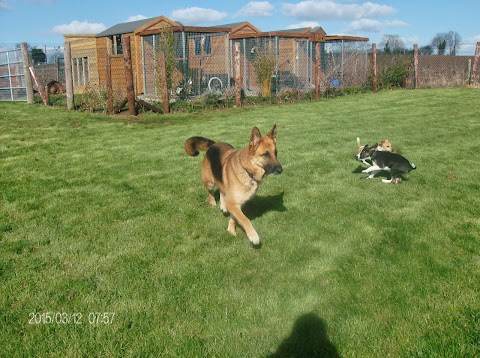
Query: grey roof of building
x: 298, y: 30
x: 315, y: 29
x: 127, y: 27
x: 229, y: 26
x: 124, y: 28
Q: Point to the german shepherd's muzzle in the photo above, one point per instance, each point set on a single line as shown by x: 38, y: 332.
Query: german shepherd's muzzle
x: 237, y: 173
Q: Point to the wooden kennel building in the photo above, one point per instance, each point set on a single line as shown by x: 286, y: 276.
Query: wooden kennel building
x: 203, y: 55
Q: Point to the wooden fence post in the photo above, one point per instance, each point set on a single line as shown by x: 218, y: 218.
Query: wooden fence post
x: 69, y: 76
x: 40, y: 87
x: 238, y: 77
x: 163, y: 83
x: 127, y: 61
x: 109, y: 83
x: 26, y: 71
x: 318, y: 70
x: 415, y: 64
x: 374, y: 68
x: 475, y: 64
x: 469, y: 71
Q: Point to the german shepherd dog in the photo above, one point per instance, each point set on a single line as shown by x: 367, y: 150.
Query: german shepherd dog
x: 236, y: 173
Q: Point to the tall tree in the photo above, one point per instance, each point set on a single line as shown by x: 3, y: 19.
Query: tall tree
x: 426, y: 50
x: 454, y: 41
x: 451, y: 40
x: 439, y: 43
x: 392, y: 44
x: 38, y: 56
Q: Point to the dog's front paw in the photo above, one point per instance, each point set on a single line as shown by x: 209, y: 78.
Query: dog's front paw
x: 365, y: 171
x: 231, y: 227
x: 254, y: 239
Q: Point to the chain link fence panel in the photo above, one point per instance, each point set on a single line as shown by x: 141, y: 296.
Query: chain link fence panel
x: 444, y: 71
x: 200, y: 63
x: 12, y: 76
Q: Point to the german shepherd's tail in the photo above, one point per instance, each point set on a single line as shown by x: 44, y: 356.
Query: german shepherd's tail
x: 194, y: 144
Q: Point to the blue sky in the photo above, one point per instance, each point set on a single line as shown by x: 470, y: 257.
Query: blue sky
x: 43, y: 22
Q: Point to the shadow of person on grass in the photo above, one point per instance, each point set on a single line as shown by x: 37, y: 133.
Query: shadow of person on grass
x: 308, y: 339
x: 263, y: 204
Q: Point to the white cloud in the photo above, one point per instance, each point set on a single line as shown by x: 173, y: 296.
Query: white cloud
x: 367, y: 25
x: 79, y: 27
x: 4, y: 6
x: 370, y: 25
x: 196, y: 15
x: 411, y: 40
x: 40, y: 2
x: 256, y: 8
x: 331, y: 10
x: 136, y: 18
x: 473, y: 39
x: 303, y: 24
x: 469, y: 45
x: 396, y: 24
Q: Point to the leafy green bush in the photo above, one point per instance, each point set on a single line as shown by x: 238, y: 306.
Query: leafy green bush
x: 264, y: 64
x: 394, y: 75
x: 94, y: 99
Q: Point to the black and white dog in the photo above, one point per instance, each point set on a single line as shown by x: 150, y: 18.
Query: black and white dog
x: 384, y: 145
x: 383, y: 160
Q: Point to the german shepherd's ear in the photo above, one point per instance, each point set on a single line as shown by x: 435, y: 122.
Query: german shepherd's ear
x: 255, y: 138
x: 273, y: 133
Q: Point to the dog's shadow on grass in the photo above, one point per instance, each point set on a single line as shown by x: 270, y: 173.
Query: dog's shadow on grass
x: 263, y: 204
x: 358, y: 169
x: 382, y: 174
x: 308, y: 338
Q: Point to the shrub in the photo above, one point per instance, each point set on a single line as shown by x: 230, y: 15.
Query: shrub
x: 394, y: 75
x: 166, y: 44
x: 93, y: 99
x: 264, y: 64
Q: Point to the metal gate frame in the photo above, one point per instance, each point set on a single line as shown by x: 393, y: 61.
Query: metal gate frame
x: 12, y: 76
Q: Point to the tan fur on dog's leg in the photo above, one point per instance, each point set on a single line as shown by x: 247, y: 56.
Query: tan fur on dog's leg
x: 222, y: 204
x: 211, y: 198
x: 237, y: 213
x: 231, y: 227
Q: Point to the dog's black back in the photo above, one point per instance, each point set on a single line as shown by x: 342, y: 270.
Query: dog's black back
x: 394, y: 161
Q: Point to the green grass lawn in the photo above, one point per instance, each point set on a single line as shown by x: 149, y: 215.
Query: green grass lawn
x: 109, y: 215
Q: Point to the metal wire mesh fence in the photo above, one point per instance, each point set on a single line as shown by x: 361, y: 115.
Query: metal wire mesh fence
x: 196, y: 63
x: 346, y: 64
x: 433, y: 71
x: 444, y: 71
x: 203, y: 63
x: 200, y: 63
x: 48, y: 66
x: 12, y: 76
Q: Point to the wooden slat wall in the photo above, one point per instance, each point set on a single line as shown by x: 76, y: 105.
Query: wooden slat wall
x: 83, y: 46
